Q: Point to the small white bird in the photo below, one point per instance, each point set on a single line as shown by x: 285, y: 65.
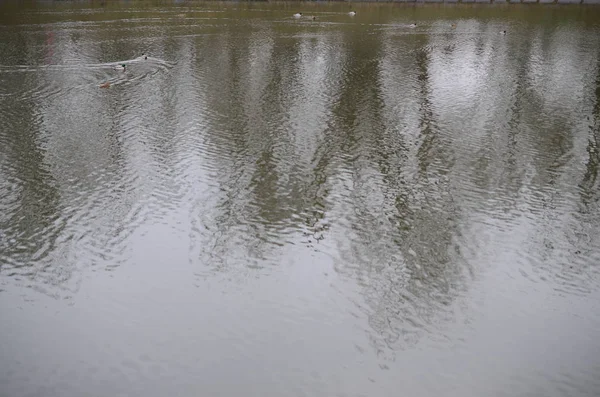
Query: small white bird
x: 352, y: 13
x: 503, y: 32
x: 412, y: 25
x: 298, y: 15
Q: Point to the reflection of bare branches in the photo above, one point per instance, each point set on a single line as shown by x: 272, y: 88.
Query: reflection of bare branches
x: 426, y: 113
x: 426, y: 219
x: 31, y: 230
x: 249, y: 117
x: 589, y: 189
x: 402, y: 229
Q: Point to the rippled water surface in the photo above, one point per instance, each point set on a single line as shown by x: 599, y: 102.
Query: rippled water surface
x: 270, y: 206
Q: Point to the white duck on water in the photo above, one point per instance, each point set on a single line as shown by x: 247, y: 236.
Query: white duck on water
x: 298, y: 15
x: 352, y: 13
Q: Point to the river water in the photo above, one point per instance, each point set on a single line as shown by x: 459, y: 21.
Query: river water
x: 271, y: 206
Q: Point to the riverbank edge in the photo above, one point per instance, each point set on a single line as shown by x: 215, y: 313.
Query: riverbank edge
x: 572, y: 2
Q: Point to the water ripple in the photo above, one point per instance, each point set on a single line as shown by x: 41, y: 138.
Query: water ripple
x: 369, y: 190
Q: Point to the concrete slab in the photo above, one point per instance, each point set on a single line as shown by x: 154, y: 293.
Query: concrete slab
x: 530, y: 1
x: 547, y: 1
x: 591, y: 1
x: 569, y: 1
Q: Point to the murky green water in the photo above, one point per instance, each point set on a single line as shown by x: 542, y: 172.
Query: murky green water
x: 277, y: 207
